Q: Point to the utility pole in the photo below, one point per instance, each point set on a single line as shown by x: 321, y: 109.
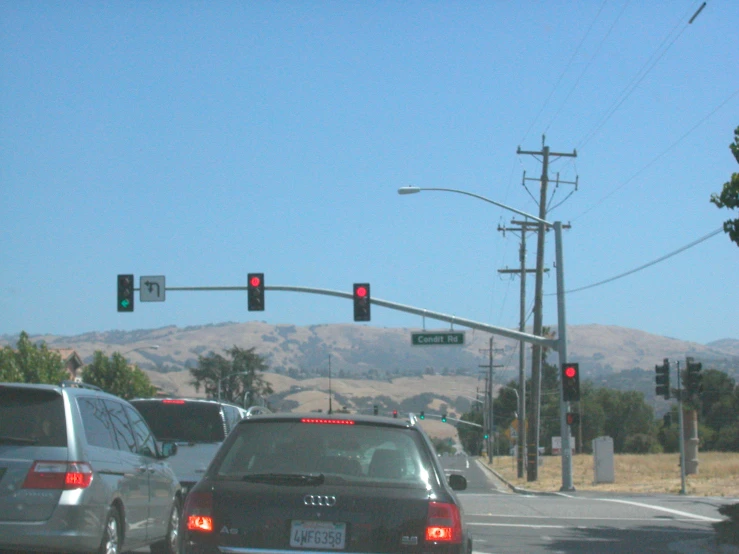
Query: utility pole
x: 489, y: 399
x: 330, y: 409
x: 533, y: 448
x: 522, y: 227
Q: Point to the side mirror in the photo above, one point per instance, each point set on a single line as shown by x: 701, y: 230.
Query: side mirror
x: 457, y: 482
x: 168, y: 449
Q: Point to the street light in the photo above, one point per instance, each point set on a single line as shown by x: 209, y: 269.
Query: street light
x: 561, y: 320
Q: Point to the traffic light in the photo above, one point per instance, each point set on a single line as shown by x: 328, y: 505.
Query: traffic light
x: 693, y: 378
x: 361, y: 302
x: 422, y: 415
x: 443, y: 418
x: 256, y: 292
x: 572, y: 418
x: 395, y: 413
x: 125, y: 293
x: 486, y: 436
x: 375, y: 409
x: 571, y: 382
x: 662, y: 378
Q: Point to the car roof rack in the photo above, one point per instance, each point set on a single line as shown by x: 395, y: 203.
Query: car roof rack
x: 81, y: 385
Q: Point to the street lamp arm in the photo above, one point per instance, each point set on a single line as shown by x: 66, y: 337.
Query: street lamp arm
x: 412, y: 190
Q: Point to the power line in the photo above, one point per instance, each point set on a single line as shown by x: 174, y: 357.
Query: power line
x: 559, y: 79
x: 645, y: 69
x: 595, y: 53
x: 665, y: 151
x: 658, y: 260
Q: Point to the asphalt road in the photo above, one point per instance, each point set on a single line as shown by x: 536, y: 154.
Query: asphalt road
x: 502, y: 521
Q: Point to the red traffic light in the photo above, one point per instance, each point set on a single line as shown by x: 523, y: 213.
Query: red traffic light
x: 361, y: 291
x: 570, y: 382
x: 255, y: 280
x: 395, y: 413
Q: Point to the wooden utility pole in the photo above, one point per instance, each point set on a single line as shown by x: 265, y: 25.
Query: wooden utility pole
x: 533, y: 447
x: 489, y: 415
x: 522, y: 228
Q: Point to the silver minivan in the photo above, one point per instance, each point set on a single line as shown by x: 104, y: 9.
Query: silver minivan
x: 197, y: 426
x: 80, y: 471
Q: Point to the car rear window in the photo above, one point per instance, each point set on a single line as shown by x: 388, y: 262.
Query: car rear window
x: 361, y: 452
x: 32, y: 416
x: 183, y: 421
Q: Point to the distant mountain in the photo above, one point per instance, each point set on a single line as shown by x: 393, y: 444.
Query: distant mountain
x: 372, y: 352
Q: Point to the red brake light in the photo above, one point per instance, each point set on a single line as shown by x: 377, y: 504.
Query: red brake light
x: 171, y: 401
x: 444, y: 523
x: 329, y: 421
x: 58, y: 475
x: 199, y: 512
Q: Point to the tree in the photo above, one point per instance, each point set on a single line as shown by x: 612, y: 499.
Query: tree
x: 116, y: 376
x: 470, y: 436
x: 31, y: 363
x: 729, y: 197
x: 245, y: 365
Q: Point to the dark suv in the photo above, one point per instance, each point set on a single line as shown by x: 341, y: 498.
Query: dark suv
x: 349, y: 483
x: 80, y: 471
x: 198, y: 427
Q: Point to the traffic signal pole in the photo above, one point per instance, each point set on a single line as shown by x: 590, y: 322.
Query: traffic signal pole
x: 681, y: 423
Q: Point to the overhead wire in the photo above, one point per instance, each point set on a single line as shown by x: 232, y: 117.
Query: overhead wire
x: 660, y: 155
x: 561, y: 76
x: 587, y: 66
x: 641, y: 267
x: 640, y: 75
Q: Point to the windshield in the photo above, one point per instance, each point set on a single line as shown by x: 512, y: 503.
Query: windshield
x: 191, y: 422
x: 32, y: 416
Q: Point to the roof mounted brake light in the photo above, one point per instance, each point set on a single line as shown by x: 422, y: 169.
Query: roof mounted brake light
x: 172, y: 401
x: 327, y: 421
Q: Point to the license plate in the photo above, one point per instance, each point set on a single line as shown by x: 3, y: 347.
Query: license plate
x: 318, y: 534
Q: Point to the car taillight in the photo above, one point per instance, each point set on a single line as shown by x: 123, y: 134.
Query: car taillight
x: 444, y: 523
x: 58, y: 475
x: 199, y: 511
x: 170, y: 401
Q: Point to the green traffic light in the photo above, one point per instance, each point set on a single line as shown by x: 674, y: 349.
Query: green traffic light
x: 422, y: 415
x: 443, y: 418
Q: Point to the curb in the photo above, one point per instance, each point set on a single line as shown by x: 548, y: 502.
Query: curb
x: 514, y: 488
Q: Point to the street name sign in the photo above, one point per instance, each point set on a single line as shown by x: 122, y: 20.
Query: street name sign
x: 435, y: 339
x: 151, y: 288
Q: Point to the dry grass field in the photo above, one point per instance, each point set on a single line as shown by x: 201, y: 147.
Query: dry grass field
x: 718, y: 474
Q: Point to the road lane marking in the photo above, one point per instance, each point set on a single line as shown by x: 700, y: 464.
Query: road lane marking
x: 661, y: 509
x: 577, y: 517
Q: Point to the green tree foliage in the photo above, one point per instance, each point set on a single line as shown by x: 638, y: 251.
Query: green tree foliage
x: 729, y: 197
x: 31, y: 363
x: 719, y: 411
x: 443, y: 446
x: 116, y: 376
x: 470, y: 436
x: 247, y: 383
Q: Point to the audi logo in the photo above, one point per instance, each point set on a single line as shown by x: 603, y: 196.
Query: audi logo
x: 319, y: 500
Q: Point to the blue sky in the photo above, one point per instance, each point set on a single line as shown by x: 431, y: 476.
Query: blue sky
x: 206, y: 140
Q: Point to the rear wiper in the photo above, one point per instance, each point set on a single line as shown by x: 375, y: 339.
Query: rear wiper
x: 285, y: 478
x: 17, y: 440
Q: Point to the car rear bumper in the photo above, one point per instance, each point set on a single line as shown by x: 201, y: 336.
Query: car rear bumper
x: 70, y: 529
